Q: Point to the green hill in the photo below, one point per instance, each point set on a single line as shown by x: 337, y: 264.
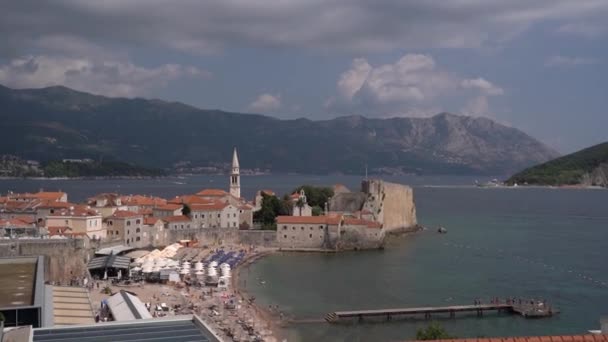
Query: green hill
x: 585, y: 167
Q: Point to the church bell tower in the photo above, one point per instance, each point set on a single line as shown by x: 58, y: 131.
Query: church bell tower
x: 235, y: 177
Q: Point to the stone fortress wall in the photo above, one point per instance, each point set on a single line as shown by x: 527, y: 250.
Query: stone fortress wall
x: 65, y: 258
x: 391, y: 204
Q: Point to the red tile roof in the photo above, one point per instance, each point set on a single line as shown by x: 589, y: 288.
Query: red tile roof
x: 54, y: 205
x: 565, y: 338
x: 141, y: 200
x: 361, y: 222
x: 268, y: 192
x: 58, y: 230
x: 41, y: 195
x: 26, y: 219
x: 212, y: 192
x: 179, y: 218
x: 189, y: 199
x: 75, y: 210
x: 125, y: 214
x: 211, y: 206
x: 169, y: 206
x: 308, y: 220
x: 14, y: 222
x: 150, y: 221
x: 145, y: 212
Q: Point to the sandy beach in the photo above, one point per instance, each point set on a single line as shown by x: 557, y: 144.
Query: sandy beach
x: 244, y: 321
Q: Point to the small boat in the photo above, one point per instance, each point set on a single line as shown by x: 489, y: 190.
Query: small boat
x: 442, y: 230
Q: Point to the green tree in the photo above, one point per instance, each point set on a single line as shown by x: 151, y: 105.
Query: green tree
x: 433, y: 332
x: 315, y: 195
x: 271, y: 208
x: 317, y: 211
x: 186, y: 210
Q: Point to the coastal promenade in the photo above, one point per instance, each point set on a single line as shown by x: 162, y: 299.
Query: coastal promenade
x: 528, y: 310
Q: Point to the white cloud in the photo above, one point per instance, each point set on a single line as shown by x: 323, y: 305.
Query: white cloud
x: 266, y: 103
x: 354, y: 25
x: 565, y: 61
x: 479, y: 83
x: 412, y: 86
x: 104, y: 78
x: 351, y: 81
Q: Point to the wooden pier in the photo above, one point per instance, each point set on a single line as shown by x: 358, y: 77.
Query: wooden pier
x: 527, y: 310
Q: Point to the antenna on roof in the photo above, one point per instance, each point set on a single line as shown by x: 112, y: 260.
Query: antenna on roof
x: 365, y: 171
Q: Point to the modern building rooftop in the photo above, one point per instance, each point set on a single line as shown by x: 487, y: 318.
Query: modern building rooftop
x: 22, y: 291
x: 71, y: 305
x: 17, y: 277
x: 125, y: 307
x: 178, y: 329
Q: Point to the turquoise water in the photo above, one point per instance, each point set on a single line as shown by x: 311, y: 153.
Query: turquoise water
x: 543, y: 243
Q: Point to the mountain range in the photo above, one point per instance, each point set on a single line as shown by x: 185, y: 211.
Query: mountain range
x: 57, y: 122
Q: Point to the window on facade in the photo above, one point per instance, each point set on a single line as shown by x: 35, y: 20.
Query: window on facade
x: 117, y: 232
x: 203, y: 215
x: 285, y: 236
x: 320, y: 227
x: 284, y: 227
x: 234, y: 215
x: 302, y: 228
x: 293, y: 228
x: 234, y: 224
x: 137, y: 238
x: 218, y: 215
x: 227, y: 215
x: 310, y: 228
x: 137, y: 230
x: 310, y: 235
x: 66, y: 222
x: 137, y: 222
x: 128, y: 223
x: 52, y: 211
x: 195, y: 215
x: 128, y: 233
x: 182, y: 226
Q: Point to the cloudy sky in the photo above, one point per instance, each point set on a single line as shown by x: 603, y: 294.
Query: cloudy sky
x: 540, y: 66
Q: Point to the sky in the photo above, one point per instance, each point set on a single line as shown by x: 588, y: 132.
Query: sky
x: 540, y: 66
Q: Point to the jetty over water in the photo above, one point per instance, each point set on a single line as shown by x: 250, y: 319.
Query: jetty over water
x: 528, y: 310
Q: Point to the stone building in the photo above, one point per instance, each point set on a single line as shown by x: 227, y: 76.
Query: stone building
x: 300, y: 204
x: 106, y: 204
x: 155, y: 233
x: 334, y: 231
x: 79, y: 219
x: 308, y: 231
x: 126, y: 227
x: 177, y: 222
x: 167, y: 210
x: 391, y: 205
x: 215, y: 215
